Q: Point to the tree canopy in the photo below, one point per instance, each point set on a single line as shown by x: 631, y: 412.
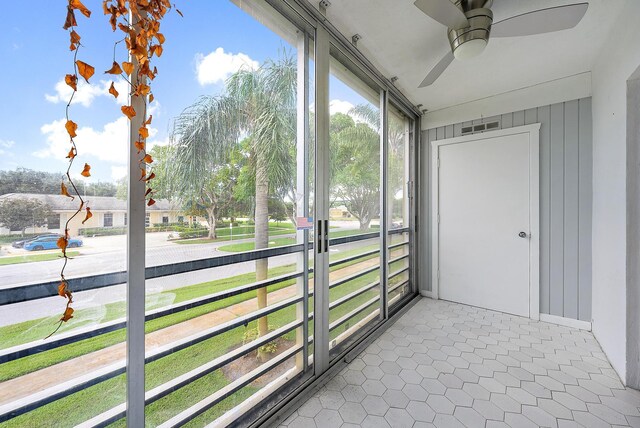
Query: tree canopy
x: 19, y: 214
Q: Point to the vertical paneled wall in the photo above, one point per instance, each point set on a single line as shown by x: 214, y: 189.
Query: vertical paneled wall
x: 565, y: 202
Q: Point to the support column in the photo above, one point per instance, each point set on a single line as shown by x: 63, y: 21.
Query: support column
x: 136, y: 206
x: 302, y: 197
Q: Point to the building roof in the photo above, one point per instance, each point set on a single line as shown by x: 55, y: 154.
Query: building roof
x: 97, y: 203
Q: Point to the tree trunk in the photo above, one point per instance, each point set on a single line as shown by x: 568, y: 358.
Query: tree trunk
x: 364, y: 224
x: 212, y: 223
x: 262, y: 240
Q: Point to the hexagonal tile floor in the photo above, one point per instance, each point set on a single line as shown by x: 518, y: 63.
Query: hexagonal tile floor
x: 450, y: 365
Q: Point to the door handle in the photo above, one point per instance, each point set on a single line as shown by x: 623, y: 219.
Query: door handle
x: 326, y: 235
x: 319, y: 240
x: 522, y: 234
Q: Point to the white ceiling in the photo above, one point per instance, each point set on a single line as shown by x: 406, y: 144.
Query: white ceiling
x: 401, y: 41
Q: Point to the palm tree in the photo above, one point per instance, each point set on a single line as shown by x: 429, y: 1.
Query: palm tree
x: 259, y: 107
x: 265, y: 104
x: 203, y: 139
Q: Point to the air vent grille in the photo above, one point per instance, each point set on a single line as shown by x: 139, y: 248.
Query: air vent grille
x: 489, y: 126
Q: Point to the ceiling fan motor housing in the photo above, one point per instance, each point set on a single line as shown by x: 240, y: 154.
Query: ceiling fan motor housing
x: 470, y: 41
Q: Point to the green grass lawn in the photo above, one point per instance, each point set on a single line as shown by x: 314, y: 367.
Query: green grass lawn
x: 27, y: 258
x: 92, y: 401
x: 278, y: 242
x: 248, y: 246
x: 240, y: 232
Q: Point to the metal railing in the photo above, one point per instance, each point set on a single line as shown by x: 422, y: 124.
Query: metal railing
x: 40, y: 290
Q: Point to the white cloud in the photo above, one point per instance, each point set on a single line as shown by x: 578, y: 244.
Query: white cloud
x: 108, y: 144
x: 117, y: 172
x: 339, y: 106
x: 216, y: 66
x: 4, y: 145
x: 87, y: 93
x: 152, y: 143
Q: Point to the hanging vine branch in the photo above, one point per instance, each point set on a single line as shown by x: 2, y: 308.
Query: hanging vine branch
x: 143, y: 40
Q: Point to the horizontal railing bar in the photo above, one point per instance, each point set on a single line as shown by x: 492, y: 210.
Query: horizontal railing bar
x: 199, y: 301
x: 353, y: 295
x: 23, y: 293
x: 27, y: 292
x: 399, y: 244
x: 352, y: 258
x: 397, y: 259
x: 167, y: 388
x: 353, y: 238
x: 202, y: 406
x: 356, y: 275
x: 36, y: 347
x: 337, y: 323
x: 39, y: 399
x: 399, y: 231
x: 398, y: 272
x: 180, y: 344
x: 395, y: 287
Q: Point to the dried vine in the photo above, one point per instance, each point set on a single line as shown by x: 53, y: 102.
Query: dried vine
x: 143, y: 40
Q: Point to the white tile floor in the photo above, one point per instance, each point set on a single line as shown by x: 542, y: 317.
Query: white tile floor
x: 450, y: 365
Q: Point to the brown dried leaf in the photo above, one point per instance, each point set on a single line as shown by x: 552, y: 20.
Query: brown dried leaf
x: 142, y: 89
x: 62, y: 243
x: 151, y: 202
x: 139, y: 145
x: 72, y: 153
x: 128, y: 111
x: 85, y: 70
x: 113, y: 91
x: 127, y: 67
x: 149, y: 190
x: 148, y: 122
x: 71, y: 128
x: 88, y: 215
x: 151, y: 98
x: 115, y: 69
x: 62, y: 289
x: 71, y: 80
x: 86, y: 170
x: 150, y: 177
x: 147, y: 158
x: 64, y: 191
x: 144, y: 132
x: 77, y: 4
x: 68, y: 314
x: 70, y: 21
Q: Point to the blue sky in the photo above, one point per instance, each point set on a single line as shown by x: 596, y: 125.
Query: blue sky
x: 201, y: 49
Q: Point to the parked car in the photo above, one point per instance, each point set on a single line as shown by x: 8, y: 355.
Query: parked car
x: 20, y: 244
x: 50, y: 243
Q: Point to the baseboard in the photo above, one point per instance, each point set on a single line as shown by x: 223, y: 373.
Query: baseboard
x: 567, y: 322
x: 426, y: 293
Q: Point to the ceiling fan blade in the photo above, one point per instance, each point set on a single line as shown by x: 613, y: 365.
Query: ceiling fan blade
x: 540, y: 21
x: 437, y: 70
x: 444, y: 12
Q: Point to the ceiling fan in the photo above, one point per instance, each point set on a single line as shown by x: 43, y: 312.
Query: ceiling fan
x: 470, y: 22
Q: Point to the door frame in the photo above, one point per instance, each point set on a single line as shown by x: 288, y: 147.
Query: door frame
x: 533, y: 132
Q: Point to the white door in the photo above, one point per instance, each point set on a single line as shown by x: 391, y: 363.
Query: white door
x: 484, y: 199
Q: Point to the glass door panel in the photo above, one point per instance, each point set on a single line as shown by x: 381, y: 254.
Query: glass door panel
x: 354, y: 207
x: 398, y: 205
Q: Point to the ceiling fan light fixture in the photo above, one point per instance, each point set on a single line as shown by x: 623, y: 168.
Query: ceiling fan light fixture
x: 470, y: 49
x: 469, y: 42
